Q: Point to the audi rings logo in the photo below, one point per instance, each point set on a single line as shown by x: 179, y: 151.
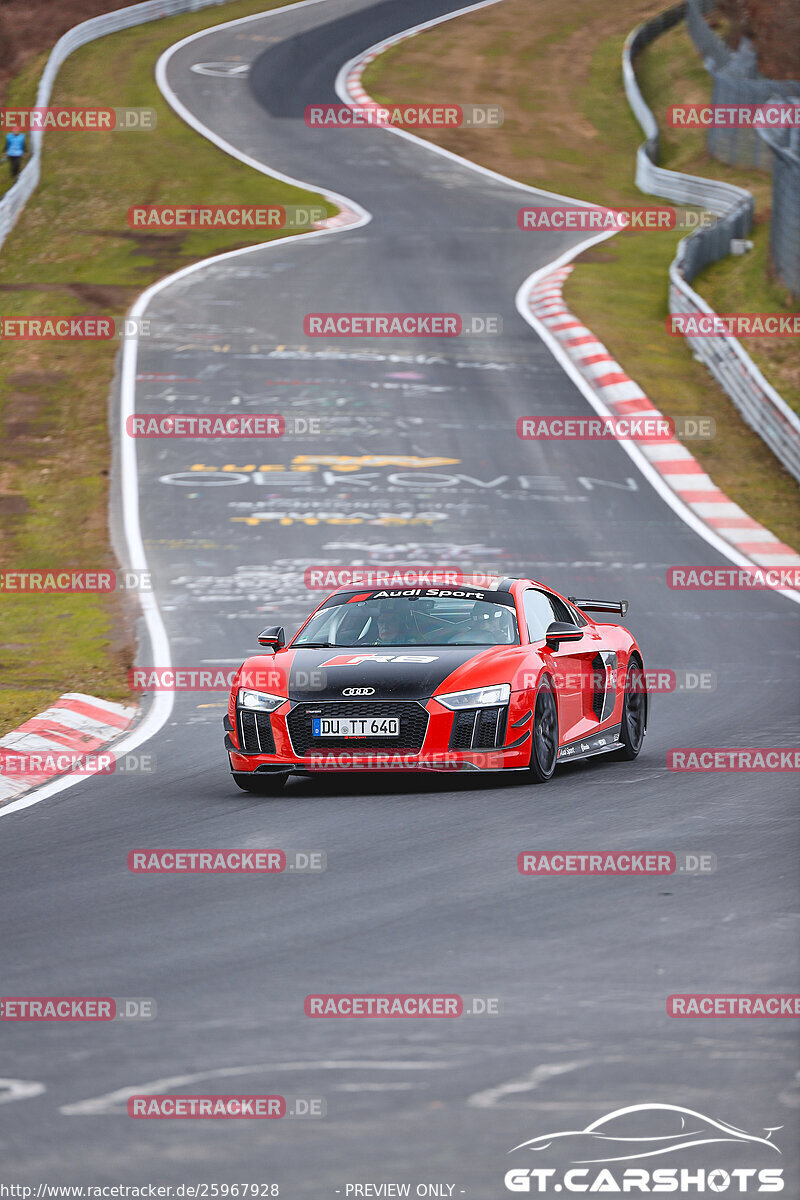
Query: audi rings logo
x: 358, y: 692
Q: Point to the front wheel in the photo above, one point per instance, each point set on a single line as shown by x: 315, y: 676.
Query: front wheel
x: 259, y: 785
x: 544, y: 735
x: 634, y: 712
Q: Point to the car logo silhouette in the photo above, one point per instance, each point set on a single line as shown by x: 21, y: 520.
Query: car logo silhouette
x: 616, y: 1132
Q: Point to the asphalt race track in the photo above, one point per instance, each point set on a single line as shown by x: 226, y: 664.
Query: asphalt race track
x: 421, y: 890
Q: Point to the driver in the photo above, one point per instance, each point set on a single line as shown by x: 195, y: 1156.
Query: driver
x: 395, y: 627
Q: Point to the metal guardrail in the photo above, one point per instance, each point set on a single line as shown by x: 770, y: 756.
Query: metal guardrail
x: 735, y: 80
x: 17, y: 196
x: 784, y: 230
x: 757, y: 401
x: 716, y: 55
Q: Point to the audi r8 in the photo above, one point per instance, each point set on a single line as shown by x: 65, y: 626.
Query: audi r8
x: 504, y: 675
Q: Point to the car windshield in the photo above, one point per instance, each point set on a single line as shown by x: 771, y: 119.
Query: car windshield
x: 415, y: 621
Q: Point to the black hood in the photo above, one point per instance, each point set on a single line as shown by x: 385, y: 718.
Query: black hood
x: 414, y: 674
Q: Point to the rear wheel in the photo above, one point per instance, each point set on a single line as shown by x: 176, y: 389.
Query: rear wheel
x: 634, y: 712
x: 544, y: 748
x: 259, y: 785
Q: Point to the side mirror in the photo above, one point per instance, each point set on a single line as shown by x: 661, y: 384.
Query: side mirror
x: 274, y: 638
x: 560, y: 631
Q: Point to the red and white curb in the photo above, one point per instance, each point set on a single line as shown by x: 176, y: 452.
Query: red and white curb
x: 345, y: 216
x: 698, y: 500
x: 76, y: 725
x: 351, y: 76
x: 340, y: 220
x: 353, y: 82
x: 670, y: 458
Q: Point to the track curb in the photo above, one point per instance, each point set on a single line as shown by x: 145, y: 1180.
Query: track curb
x: 676, y: 465
x: 541, y: 302
x: 74, y: 727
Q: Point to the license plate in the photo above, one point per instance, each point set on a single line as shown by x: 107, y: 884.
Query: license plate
x: 355, y: 727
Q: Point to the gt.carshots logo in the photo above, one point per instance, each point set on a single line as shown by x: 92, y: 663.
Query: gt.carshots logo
x: 648, y: 1131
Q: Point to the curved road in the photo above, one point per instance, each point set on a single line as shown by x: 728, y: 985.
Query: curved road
x: 421, y: 890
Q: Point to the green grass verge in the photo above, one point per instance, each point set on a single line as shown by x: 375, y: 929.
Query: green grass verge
x: 71, y: 253
x: 569, y: 128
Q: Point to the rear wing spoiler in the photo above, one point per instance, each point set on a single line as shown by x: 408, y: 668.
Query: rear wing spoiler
x: 602, y: 606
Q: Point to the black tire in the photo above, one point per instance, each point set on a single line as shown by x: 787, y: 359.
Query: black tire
x: 259, y: 785
x: 544, y: 734
x: 634, y: 712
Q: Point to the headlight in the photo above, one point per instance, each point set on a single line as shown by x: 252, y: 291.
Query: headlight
x: 484, y: 697
x: 263, y: 700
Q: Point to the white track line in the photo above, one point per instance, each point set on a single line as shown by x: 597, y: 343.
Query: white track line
x: 110, y: 1102
x: 162, y: 704
x: 350, y: 90
x: 678, y: 506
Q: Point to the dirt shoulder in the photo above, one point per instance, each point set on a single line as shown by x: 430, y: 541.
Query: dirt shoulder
x: 72, y: 253
x: 556, y: 70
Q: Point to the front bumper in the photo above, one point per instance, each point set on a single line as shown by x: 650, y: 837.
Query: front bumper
x: 432, y: 745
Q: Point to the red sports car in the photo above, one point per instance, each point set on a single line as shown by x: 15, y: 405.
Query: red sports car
x: 503, y: 674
